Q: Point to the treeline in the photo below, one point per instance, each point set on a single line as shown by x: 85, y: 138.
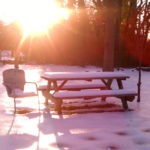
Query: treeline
x: 81, y: 39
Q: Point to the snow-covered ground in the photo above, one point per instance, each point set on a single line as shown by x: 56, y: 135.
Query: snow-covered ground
x: 80, y: 129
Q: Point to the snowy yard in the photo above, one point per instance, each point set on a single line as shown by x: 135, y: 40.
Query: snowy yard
x: 81, y: 129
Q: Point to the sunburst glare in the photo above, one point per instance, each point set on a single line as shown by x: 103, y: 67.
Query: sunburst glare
x: 34, y: 16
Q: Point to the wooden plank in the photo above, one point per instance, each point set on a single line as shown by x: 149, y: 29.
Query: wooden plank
x: 83, y: 75
x: 93, y: 94
x: 124, y: 95
x: 75, y: 86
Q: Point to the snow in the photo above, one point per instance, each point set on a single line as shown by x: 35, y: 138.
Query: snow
x: 81, y: 75
x: 80, y: 129
x: 93, y: 93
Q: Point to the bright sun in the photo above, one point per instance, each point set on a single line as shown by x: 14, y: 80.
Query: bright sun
x: 35, y: 16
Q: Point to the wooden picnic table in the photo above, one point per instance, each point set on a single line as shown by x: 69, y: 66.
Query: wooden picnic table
x: 56, y: 81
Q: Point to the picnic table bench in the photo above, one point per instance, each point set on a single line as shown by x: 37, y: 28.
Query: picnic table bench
x: 58, y: 91
x: 73, y: 87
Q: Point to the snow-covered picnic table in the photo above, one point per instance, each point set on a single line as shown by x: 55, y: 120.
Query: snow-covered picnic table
x: 59, y: 88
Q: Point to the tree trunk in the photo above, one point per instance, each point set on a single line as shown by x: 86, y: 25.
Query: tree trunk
x: 110, y: 28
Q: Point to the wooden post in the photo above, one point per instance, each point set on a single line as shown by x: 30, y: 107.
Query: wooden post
x: 16, y: 62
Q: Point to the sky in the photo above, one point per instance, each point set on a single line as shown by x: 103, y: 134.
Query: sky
x: 80, y: 129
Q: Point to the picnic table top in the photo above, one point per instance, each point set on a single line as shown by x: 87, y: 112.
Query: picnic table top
x: 83, y: 75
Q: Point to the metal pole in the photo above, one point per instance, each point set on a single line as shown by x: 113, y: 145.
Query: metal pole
x: 139, y: 82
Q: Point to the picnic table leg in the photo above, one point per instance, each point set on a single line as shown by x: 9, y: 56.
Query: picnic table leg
x: 44, y: 93
x: 46, y: 100
x: 107, y: 83
x: 123, y: 99
x: 58, y: 103
x: 108, y: 86
x: 119, y: 82
x: 47, y: 93
x: 124, y: 103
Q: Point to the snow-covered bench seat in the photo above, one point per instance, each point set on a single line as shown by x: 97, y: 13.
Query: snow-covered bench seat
x: 123, y: 94
x: 75, y: 87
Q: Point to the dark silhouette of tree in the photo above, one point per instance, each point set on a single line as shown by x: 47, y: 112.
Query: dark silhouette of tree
x: 136, y: 28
